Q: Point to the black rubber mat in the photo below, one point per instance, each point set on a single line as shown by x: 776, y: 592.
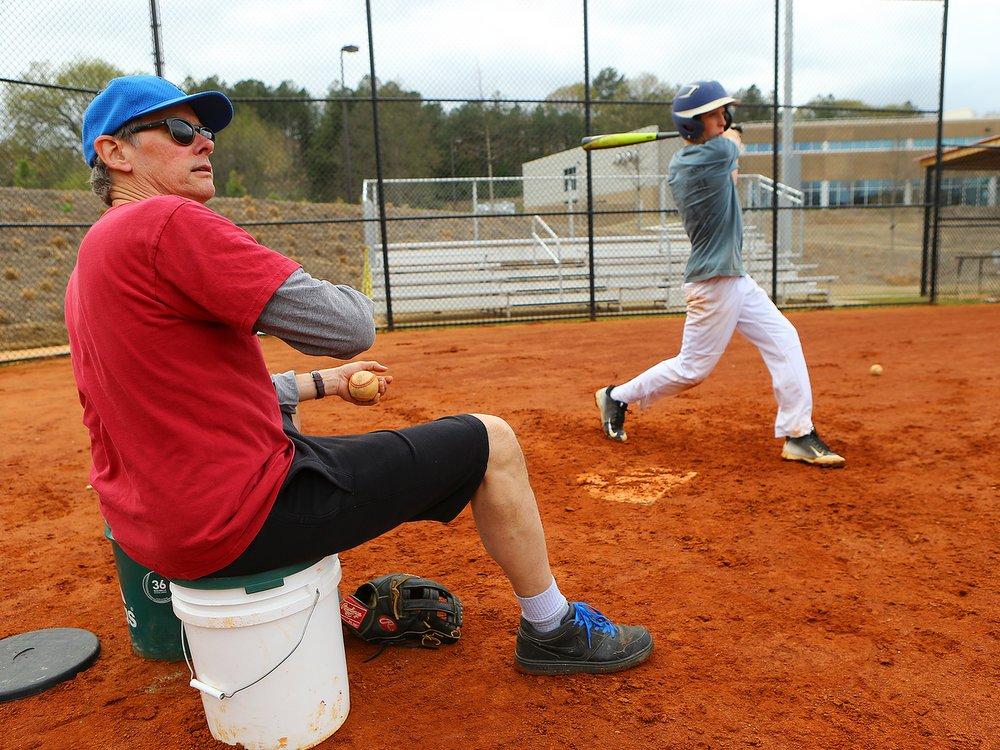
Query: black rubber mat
x: 35, y: 661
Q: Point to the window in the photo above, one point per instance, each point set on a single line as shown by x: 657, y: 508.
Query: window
x: 873, y: 145
x: 812, y: 192
x: 929, y: 144
x: 569, y: 180
x: 967, y: 191
x: 840, y: 193
x: 920, y: 144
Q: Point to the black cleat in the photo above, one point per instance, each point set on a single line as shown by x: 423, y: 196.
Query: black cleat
x: 612, y: 414
x: 585, y: 641
x: 811, y: 449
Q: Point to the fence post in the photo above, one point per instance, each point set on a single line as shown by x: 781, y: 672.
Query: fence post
x: 937, y: 159
x: 661, y: 197
x: 774, y: 162
x: 475, y: 211
x: 590, y: 161
x: 926, y: 234
x: 154, y: 24
x: 378, y: 171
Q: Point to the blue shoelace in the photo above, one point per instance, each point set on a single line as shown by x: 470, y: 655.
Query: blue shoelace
x: 591, y: 619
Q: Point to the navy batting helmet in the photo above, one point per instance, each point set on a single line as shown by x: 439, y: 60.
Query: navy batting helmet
x: 696, y: 99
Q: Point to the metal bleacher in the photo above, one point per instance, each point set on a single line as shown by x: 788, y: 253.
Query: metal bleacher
x: 508, y: 277
x: 545, y: 274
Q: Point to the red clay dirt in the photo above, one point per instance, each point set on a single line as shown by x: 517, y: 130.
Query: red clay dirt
x: 792, y: 607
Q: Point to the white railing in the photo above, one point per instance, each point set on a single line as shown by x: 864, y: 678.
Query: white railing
x: 556, y: 257
x: 793, y: 195
x: 756, y: 192
x: 791, y: 225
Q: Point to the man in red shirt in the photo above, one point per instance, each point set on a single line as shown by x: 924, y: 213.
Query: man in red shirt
x: 196, y: 457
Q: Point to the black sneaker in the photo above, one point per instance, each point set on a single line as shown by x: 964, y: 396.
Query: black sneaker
x: 811, y: 450
x: 585, y: 641
x: 612, y: 414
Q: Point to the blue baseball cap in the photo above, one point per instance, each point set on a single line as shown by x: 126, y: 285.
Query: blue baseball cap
x: 129, y: 97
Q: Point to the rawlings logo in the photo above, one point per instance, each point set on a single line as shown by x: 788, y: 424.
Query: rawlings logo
x: 388, y: 624
x: 352, y: 611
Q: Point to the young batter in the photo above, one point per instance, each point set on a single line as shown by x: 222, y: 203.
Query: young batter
x: 719, y: 294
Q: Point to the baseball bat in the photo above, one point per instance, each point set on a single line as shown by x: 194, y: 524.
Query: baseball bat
x: 614, y: 140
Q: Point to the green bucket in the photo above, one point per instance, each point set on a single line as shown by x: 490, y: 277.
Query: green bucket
x: 153, y: 627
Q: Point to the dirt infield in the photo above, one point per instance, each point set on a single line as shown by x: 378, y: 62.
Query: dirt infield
x: 791, y: 607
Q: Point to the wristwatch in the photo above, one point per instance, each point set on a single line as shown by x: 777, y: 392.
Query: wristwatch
x: 318, y: 380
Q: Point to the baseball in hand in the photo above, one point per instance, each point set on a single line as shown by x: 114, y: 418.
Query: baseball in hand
x: 875, y: 369
x: 363, y: 386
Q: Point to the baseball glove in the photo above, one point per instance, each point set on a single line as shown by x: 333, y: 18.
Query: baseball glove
x: 402, y: 609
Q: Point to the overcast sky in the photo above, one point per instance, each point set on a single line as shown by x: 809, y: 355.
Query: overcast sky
x: 881, y: 51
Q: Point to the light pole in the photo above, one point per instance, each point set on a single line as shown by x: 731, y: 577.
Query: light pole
x: 343, y: 102
x: 632, y: 157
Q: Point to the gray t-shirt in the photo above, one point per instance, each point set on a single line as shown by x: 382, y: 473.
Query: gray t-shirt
x: 700, y: 178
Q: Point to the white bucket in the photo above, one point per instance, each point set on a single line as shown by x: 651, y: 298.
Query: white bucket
x: 237, y: 636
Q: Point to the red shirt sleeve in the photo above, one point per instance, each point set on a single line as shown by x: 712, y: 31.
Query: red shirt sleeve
x: 207, y: 268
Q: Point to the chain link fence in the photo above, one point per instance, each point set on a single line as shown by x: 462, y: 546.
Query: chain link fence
x: 456, y: 191
x: 966, y: 265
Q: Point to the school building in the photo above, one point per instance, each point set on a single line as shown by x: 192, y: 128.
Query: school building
x: 834, y: 163
x: 874, y: 161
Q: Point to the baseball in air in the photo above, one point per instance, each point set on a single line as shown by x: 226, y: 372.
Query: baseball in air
x: 363, y: 386
x: 875, y: 369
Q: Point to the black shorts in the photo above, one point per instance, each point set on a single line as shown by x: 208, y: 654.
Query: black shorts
x: 346, y: 490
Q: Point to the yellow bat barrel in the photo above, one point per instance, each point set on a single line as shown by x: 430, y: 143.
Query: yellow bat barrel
x: 614, y: 140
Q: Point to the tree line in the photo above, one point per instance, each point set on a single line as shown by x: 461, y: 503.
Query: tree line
x: 286, y: 144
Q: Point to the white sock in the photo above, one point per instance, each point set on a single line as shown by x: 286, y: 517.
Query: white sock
x: 612, y: 393
x: 545, y: 610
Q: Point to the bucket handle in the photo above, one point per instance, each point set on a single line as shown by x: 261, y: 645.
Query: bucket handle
x: 221, y: 694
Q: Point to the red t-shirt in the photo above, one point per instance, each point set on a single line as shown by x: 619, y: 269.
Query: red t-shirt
x: 186, y: 439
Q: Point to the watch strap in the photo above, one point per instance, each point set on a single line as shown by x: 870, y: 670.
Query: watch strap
x: 320, y: 387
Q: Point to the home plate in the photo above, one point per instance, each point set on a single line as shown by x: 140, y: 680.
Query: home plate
x: 639, y: 487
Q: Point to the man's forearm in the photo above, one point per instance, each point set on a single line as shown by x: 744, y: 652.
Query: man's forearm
x: 307, y: 386
x: 292, y: 387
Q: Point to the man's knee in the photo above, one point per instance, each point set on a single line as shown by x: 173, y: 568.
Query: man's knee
x: 694, y: 369
x: 504, y: 447
x: 689, y: 377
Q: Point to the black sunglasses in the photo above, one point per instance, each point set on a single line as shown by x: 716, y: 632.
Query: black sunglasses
x: 181, y: 130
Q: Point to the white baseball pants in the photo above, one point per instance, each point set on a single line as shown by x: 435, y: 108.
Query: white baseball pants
x: 715, y: 308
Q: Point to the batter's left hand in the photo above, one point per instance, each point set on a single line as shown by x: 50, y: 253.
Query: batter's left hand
x: 734, y: 136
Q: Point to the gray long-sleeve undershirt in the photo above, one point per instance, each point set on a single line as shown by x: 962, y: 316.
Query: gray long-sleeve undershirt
x: 317, y: 318
x: 287, y: 391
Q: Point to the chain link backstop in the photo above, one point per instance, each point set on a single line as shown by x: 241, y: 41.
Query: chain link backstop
x: 454, y: 189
